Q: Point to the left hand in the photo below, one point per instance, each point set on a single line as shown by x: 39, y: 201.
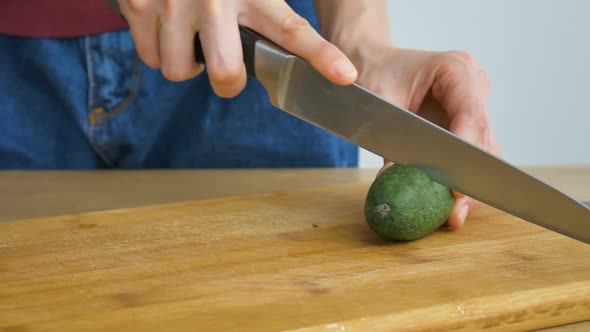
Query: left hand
x: 447, y: 88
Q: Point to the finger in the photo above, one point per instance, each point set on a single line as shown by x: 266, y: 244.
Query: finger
x: 222, y: 48
x: 143, y: 25
x: 386, y: 165
x: 474, y: 130
x: 485, y: 79
x: 463, y: 206
x: 494, y: 147
x: 277, y: 21
x: 473, y: 127
x: 458, y: 194
x: 461, y: 91
x: 177, y: 59
x: 466, y: 57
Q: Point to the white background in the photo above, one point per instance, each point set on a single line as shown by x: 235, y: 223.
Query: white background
x: 537, y: 54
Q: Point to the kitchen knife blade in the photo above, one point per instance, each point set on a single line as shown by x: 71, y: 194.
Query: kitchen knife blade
x: 367, y: 120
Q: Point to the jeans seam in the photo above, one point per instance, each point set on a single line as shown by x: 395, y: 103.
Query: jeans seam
x: 99, y: 116
x: 95, y: 126
x: 133, y: 91
x: 90, y: 70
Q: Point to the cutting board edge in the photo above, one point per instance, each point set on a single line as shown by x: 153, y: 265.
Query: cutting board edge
x: 471, y: 315
x: 191, y: 201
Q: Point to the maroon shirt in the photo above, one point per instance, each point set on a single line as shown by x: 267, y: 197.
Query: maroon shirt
x: 57, y: 18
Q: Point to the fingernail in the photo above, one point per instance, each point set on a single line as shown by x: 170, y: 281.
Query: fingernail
x: 344, y: 68
x: 463, y: 213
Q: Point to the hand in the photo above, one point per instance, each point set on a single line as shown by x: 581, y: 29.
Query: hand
x: 164, y: 31
x: 447, y: 88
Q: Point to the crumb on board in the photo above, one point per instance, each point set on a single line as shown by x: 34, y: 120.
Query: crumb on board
x: 461, y: 309
x: 336, y: 326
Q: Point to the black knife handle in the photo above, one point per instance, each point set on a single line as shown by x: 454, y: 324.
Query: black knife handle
x: 248, y: 37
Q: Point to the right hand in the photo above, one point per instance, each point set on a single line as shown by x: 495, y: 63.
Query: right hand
x: 164, y: 32
x: 446, y: 88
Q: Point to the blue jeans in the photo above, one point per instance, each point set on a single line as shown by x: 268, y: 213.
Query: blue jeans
x: 90, y: 102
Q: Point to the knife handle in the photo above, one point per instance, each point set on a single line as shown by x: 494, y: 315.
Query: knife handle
x: 249, y: 39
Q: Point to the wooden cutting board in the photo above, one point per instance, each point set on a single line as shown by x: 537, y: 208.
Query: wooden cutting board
x: 301, y: 260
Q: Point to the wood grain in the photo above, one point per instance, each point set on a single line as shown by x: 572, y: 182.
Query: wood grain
x: 284, y: 261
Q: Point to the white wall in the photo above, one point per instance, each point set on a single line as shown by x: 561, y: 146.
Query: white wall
x: 537, y: 53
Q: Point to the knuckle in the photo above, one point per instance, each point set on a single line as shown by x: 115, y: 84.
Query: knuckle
x: 227, y: 81
x: 465, y: 56
x: 151, y: 61
x: 293, y: 23
x: 452, y: 64
x: 225, y: 75
x: 170, y: 10
x: 480, y: 121
x: 457, y: 63
x: 169, y: 5
x: 325, y: 47
x: 322, y: 51
x: 210, y: 10
x: 175, y: 73
x: 226, y: 92
x: 451, y: 72
x: 138, y: 6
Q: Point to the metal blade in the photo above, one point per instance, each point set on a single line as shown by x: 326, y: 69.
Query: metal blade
x: 365, y: 119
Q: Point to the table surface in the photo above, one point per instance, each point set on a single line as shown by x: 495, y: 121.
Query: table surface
x: 31, y: 194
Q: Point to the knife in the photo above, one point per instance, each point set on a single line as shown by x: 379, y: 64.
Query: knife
x: 365, y: 119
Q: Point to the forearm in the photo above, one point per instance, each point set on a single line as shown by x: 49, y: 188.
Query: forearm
x: 351, y: 23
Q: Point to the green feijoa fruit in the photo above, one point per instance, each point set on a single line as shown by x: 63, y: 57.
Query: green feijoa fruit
x: 405, y: 204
